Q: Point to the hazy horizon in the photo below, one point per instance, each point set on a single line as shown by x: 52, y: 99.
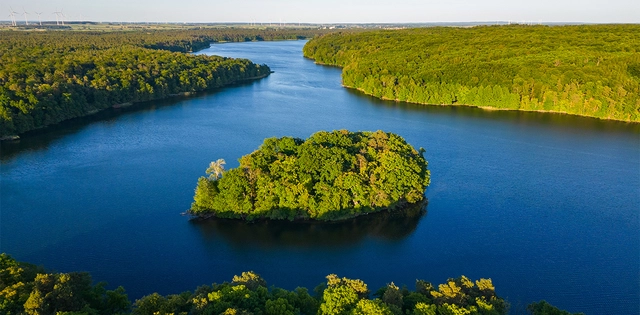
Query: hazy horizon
x: 327, y: 11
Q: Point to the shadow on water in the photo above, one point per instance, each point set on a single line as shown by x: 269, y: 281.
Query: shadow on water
x: 386, y: 225
x: 540, y: 119
x: 41, y: 139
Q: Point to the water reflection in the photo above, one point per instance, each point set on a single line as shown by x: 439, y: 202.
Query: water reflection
x: 41, y: 139
x: 542, y: 119
x: 385, y: 225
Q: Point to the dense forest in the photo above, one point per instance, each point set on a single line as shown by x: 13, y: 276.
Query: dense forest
x: 27, y: 289
x: 329, y: 176
x: 48, y: 77
x: 589, y: 70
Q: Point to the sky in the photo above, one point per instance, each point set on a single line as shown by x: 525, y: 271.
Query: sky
x: 329, y: 11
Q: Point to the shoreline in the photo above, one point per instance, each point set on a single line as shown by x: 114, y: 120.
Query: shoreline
x: 487, y: 108
x: 92, y: 112
x: 399, y: 207
x: 16, y: 137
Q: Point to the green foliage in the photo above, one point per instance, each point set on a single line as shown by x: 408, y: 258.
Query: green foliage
x: 412, y: 299
x: 462, y: 296
x: 336, y: 296
x: 330, y: 176
x: 26, y: 289
x: 424, y: 309
x: 16, y: 283
x: 279, y: 307
x: 114, y: 302
x: 392, y: 295
x: 73, y: 293
x: 589, y: 70
x: 544, y: 308
x: 158, y: 304
x: 338, y: 299
x: 358, y: 286
x: 371, y: 307
x: 249, y: 279
x: 49, y: 77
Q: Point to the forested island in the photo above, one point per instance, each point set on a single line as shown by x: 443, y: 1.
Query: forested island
x: 49, y: 77
x: 28, y: 289
x: 329, y: 176
x: 588, y: 70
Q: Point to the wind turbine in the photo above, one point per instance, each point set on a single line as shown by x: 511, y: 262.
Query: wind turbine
x: 12, y: 14
x: 39, y: 19
x: 57, y: 13
x: 13, y: 22
x: 26, y: 22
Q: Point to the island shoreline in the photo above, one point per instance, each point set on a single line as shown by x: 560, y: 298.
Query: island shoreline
x: 402, y: 206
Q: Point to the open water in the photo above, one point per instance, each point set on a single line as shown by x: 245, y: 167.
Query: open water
x: 546, y: 205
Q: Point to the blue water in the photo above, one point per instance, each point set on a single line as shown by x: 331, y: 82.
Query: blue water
x: 546, y: 205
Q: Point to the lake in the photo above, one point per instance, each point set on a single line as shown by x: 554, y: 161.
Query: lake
x: 546, y: 205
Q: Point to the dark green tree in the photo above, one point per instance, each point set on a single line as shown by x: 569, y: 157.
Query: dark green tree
x: 544, y: 308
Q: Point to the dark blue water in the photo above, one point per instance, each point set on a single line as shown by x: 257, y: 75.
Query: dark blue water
x: 546, y: 205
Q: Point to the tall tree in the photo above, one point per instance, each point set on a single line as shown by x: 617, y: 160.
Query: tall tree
x: 215, y: 169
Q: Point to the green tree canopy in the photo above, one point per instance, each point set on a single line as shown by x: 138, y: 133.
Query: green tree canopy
x: 26, y: 289
x: 588, y: 70
x: 329, y: 176
x: 49, y: 77
x: 544, y: 308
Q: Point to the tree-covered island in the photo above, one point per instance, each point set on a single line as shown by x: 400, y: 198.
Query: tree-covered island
x: 329, y: 176
x: 587, y: 70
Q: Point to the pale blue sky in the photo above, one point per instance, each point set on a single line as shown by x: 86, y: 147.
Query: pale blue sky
x: 331, y: 11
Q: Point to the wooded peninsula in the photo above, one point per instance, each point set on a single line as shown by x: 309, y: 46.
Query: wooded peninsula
x: 587, y: 70
x: 48, y: 77
x: 329, y: 176
x: 28, y: 289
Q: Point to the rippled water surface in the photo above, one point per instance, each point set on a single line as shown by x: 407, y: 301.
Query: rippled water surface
x: 546, y: 205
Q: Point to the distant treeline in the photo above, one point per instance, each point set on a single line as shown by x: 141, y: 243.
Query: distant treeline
x: 27, y: 289
x: 193, y: 40
x: 329, y: 176
x: 172, y: 40
x: 48, y: 77
x: 588, y: 70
